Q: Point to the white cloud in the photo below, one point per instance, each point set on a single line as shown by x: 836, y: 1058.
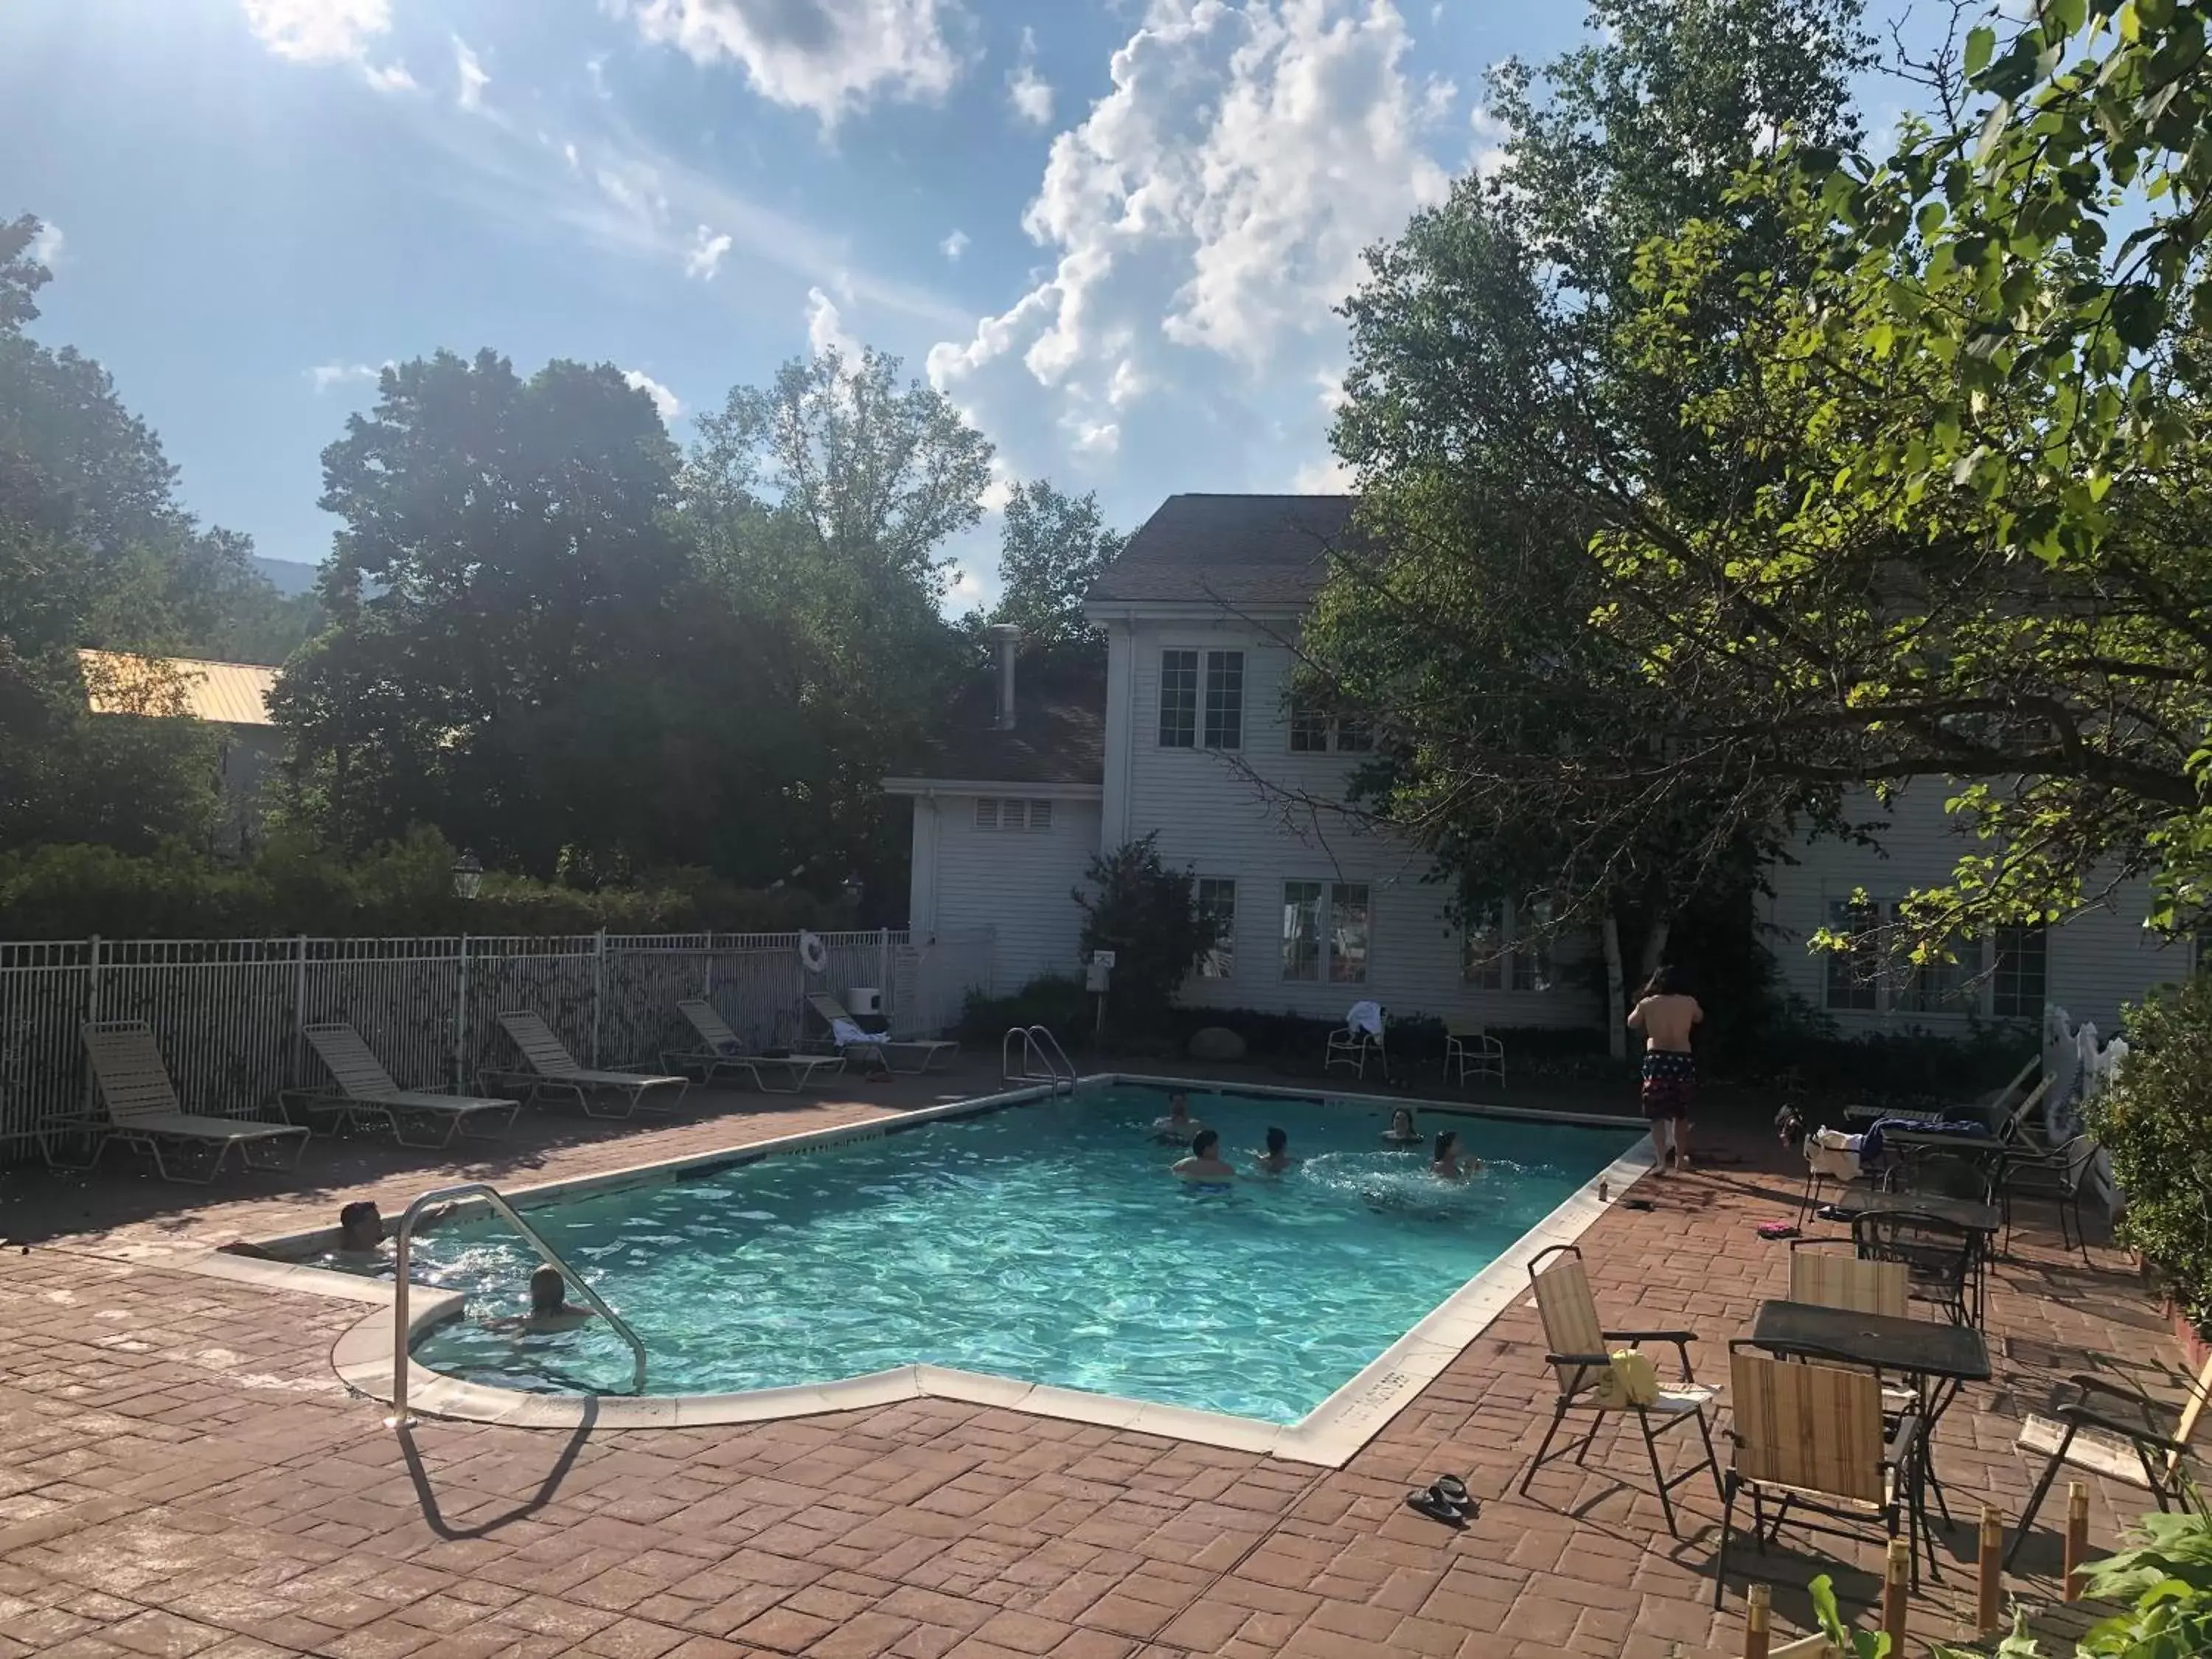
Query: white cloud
x: 825, y: 328
x: 667, y: 403
x: 46, y: 247
x: 1205, y: 219
x: 1323, y: 477
x: 1029, y: 92
x: 954, y: 246
x: 569, y: 154
x: 317, y: 31
x: 391, y: 78
x: 326, y: 376
x: 470, y: 70
x: 705, y: 259
x: 1491, y: 132
x: 830, y: 57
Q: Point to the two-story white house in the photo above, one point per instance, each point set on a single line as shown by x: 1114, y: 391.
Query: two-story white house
x: 1192, y: 737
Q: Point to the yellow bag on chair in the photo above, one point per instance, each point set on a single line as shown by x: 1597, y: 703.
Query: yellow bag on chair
x: 1631, y: 1382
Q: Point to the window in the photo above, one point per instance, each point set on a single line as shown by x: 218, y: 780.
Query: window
x: 1326, y: 931
x: 2017, y: 979
x: 1216, y: 897
x: 1314, y: 732
x: 1946, y: 986
x: 1014, y: 814
x: 1508, y: 947
x: 1302, y: 930
x: 1224, y: 699
x: 1178, y: 699
x: 1854, y: 971
x: 1347, y: 932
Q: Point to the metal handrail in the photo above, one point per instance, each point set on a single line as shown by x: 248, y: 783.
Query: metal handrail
x: 490, y: 1195
x: 1052, y: 1063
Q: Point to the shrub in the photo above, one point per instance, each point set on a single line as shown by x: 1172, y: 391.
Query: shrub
x: 1147, y: 914
x: 1057, y: 1001
x: 2155, y: 1121
x: 68, y: 891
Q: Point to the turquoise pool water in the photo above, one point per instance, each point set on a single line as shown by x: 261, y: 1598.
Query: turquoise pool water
x: 1044, y: 1241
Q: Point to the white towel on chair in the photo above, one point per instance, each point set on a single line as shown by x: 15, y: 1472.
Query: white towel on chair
x: 1366, y: 1017
x: 846, y: 1034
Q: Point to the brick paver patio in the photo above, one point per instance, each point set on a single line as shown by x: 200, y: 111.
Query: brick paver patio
x: 182, y: 1474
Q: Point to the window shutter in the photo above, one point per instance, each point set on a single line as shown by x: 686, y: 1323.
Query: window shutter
x: 1040, y: 814
x: 987, y: 814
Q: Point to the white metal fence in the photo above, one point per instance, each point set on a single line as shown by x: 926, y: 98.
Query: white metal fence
x: 227, y: 1012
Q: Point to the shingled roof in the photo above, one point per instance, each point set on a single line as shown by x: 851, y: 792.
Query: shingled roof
x: 1059, y: 735
x: 1244, y: 552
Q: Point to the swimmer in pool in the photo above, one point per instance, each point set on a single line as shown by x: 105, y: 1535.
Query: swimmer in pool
x: 1178, y: 1125
x: 1276, y: 1159
x: 1445, y: 1162
x: 1401, y: 1132
x: 1205, y: 1163
x: 549, y: 1307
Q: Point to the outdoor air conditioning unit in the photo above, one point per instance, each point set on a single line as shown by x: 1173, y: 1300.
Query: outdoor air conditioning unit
x: 867, y: 1001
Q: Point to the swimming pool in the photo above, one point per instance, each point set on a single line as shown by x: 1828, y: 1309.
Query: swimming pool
x: 1042, y: 1241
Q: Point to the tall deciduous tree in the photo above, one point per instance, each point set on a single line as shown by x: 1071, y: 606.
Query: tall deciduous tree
x: 1052, y: 547
x: 1490, y: 406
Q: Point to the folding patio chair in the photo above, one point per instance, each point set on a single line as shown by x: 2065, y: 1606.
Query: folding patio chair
x: 2130, y: 1436
x: 1580, y: 1358
x: 1825, y: 1273
x: 553, y: 1071
x: 365, y: 1091
x: 142, y: 1108
x: 720, y: 1049
x: 878, y: 1045
x: 1811, y: 1439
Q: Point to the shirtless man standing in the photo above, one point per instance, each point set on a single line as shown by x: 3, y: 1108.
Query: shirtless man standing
x: 1665, y: 1016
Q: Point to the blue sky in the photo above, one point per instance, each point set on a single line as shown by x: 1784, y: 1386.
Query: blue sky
x: 1110, y: 230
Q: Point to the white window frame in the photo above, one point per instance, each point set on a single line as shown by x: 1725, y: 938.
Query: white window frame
x: 1220, y: 962
x: 999, y: 814
x: 1210, y: 715
x: 1898, y: 989
x: 1326, y: 953
x: 1316, y: 721
x: 1517, y: 965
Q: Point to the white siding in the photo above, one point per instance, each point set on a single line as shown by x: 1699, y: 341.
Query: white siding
x: 1220, y: 821
x: 1018, y: 881
x: 2095, y: 961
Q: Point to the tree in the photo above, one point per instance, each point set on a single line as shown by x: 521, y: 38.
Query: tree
x: 1052, y: 548
x: 1491, y: 405
x: 1148, y: 915
x: 498, y: 598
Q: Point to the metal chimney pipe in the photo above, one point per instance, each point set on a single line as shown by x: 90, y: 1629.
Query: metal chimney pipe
x: 1007, y: 636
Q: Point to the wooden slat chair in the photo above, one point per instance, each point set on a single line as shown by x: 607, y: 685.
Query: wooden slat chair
x: 877, y: 1046
x: 1581, y: 1356
x: 143, y: 1111
x: 1811, y: 1439
x: 720, y: 1049
x: 365, y: 1091
x: 1824, y: 1273
x: 553, y: 1071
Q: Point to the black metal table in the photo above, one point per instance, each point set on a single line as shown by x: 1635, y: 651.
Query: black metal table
x: 1971, y: 1214
x: 1948, y: 1356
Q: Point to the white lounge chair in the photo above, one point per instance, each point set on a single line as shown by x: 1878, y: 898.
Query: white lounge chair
x: 365, y: 1091
x: 720, y: 1049
x: 142, y: 1109
x: 878, y: 1046
x: 553, y: 1071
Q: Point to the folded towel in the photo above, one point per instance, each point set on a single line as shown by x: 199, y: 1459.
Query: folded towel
x: 847, y: 1034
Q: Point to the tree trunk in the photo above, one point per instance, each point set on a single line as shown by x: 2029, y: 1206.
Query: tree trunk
x: 1615, y: 992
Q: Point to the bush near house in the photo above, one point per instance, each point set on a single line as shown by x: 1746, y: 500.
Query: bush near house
x: 2155, y: 1121
x: 1147, y: 914
x: 68, y: 891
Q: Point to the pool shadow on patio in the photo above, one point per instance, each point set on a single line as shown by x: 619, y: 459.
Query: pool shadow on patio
x: 434, y: 1515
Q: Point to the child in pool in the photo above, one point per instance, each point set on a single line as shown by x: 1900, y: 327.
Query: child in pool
x: 1401, y: 1132
x: 1445, y: 1162
x: 1205, y: 1164
x: 1276, y: 1159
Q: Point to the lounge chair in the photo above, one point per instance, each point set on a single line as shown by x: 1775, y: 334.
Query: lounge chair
x: 721, y: 1050
x: 143, y: 1110
x: 1811, y: 1438
x: 2114, y: 1430
x: 1471, y: 1051
x: 553, y: 1071
x: 365, y: 1091
x: 878, y: 1045
x: 1580, y: 1357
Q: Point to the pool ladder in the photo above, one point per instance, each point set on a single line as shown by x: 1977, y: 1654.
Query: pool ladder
x: 1043, y: 1059
x: 490, y: 1195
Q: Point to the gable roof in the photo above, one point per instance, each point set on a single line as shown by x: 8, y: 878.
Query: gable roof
x: 230, y: 693
x: 1244, y: 552
x: 1059, y: 736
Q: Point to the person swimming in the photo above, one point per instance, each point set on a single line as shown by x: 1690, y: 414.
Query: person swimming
x: 1276, y: 1159
x: 549, y: 1307
x: 1445, y: 1162
x: 1205, y: 1164
x: 1401, y: 1132
x: 1178, y: 1125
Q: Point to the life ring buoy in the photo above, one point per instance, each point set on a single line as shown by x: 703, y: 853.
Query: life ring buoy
x: 813, y: 954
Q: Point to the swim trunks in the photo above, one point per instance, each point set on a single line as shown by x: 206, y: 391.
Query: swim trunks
x: 1670, y: 1082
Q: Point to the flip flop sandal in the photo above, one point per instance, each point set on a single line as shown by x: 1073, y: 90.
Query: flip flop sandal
x: 1433, y: 1503
x: 1635, y: 1203
x: 1454, y: 1491
x: 1775, y: 1230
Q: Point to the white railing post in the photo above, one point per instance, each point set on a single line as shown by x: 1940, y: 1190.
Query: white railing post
x: 91, y: 1017
x: 884, y: 977
x: 300, y: 1011
x: 461, y: 1026
x: 598, y: 988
